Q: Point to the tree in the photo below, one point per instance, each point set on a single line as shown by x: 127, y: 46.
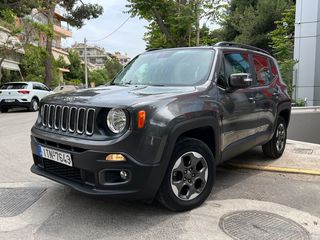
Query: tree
x: 75, y: 67
x: 76, y: 13
x: 112, y: 67
x: 174, y: 23
x: 250, y: 22
x: 282, y: 44
x: 99, y: 76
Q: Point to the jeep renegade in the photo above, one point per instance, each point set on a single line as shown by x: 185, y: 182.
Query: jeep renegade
x: 163, y: 124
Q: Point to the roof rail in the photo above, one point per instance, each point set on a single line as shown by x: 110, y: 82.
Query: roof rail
x: 240, y: 45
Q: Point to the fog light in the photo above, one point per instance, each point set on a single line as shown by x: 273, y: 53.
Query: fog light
x: 115, y: 157
x: 124, y: 175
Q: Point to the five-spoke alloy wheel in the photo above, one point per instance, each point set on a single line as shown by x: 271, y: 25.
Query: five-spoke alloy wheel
x: 275, y: 147
x: 190, y: 176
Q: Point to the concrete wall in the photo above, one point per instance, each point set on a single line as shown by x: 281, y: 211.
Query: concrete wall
x: 305, y: 125
x: 307, y: 52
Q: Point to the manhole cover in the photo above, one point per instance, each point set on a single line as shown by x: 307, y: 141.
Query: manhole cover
x: 261, y: 225
x: 14, y: 201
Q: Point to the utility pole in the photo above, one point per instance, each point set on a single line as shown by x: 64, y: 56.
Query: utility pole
x: 85, y: 63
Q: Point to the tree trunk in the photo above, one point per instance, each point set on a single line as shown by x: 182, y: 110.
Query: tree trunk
x: 198, y: 23
x: 1, y: 61
x: 48, y: 61
x: 162, y: 26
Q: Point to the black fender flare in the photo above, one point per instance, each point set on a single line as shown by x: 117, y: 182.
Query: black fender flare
x: 177, y: 131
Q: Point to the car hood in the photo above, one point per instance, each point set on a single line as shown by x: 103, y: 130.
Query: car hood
x: 117, y: 96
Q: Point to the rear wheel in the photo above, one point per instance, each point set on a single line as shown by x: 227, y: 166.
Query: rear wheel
x: 34, y: 105
x: 190, y: 176
x: 276, y: 146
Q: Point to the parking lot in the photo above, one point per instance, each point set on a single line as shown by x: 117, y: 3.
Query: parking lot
x: 57, y: 212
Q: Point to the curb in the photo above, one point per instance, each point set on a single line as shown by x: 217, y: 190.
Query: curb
x: 275, y: 169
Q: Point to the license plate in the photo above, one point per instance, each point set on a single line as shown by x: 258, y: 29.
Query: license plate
x: 54, y: 155
x: 9, y: 100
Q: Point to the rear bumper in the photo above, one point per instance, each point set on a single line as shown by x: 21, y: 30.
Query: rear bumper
x: 16, y: 103
x: 89, y: 172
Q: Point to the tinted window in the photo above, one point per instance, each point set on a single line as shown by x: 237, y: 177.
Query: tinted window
x: 37, y: 86
x: 9, y: 86
x: 262, y: 70
x: 185, y: 67
x: 222, y: 79
x: 236, y: 63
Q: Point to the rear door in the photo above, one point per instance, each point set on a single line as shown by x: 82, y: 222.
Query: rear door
x: 239, y: 116
x: 266, y: 98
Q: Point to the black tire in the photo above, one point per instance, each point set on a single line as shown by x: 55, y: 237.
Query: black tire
x: 4, y: 110
x: 34, y: 105
x: 183, y: 149
x: 272, y: 149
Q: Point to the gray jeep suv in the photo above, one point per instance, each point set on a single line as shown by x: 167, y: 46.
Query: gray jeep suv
x: 163, y: 124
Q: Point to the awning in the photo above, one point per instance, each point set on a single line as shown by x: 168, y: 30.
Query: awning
x: 60, y: 53
x: 10, y: 65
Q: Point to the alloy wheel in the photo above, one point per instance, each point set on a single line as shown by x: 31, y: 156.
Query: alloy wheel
x: 280, y: 137
x: 189, y: 176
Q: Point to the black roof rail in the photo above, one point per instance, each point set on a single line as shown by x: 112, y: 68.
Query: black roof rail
x: 153, y: 49
x: 240, y: 45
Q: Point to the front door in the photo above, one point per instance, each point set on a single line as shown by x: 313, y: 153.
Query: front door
x: 239, y: 115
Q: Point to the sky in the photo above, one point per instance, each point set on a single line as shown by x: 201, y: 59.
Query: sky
x: 128, y: 39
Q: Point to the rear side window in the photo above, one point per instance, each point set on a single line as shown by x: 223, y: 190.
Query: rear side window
x: 262, y: 70
x: 274, y: 71
x: 9, y: 86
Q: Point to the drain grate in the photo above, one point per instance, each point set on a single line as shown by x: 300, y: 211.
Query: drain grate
x: 14, y: 201
x: 260, y: 225
x: 303, y: 151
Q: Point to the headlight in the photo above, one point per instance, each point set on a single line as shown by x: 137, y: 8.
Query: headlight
x: 116, y: 120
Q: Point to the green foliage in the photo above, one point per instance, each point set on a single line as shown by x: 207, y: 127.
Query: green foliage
x: 20, y: 8
x: 299, y: 103
x: 32, y: 63
x: 112, y: 67
x: 174, y: 23
x: 282, y: 44
x: 99, y: 76
x: 75, y: 67
x: 250, y: 22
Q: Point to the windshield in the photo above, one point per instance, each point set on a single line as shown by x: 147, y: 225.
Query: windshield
x: 182, y: 67
x: 9, y: 86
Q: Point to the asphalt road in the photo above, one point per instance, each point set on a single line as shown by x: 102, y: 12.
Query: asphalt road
x: 62, y: 213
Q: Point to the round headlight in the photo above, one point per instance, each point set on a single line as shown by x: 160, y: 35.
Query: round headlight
x: 116, y: 120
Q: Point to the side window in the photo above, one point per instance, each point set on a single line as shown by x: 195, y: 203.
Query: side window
x: 262, y: 70
x: 233, y: 63
x: 44, y: 87
x: 37, y: 86
x: 236, y: 63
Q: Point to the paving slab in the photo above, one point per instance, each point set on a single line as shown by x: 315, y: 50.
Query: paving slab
x: 299, y: 157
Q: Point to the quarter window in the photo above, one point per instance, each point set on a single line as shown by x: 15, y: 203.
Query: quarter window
x: 262, y: 69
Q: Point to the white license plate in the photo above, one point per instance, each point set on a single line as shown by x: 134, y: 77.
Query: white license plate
x: 54, y: 155
x: 9, y: 100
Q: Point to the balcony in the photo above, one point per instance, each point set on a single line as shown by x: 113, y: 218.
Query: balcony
x: 62, y: 31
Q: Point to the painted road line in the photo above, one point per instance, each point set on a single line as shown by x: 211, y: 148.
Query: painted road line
x: 275, y: 169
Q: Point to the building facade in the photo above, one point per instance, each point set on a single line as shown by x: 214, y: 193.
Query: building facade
x: 307, y: 52
x: 61, y: 32
x: 96, y: 56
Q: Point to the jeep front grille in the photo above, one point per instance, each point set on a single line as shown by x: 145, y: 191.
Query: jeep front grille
x: 68, y: 119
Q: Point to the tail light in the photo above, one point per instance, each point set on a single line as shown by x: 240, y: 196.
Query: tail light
x: 24, y: 91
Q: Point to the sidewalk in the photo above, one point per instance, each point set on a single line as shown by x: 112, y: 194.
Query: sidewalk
x: 299, y: 157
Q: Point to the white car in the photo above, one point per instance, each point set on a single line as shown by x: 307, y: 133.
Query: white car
x: 22, y: 94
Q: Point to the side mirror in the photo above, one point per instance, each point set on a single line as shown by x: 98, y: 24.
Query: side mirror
x: 240, y: 80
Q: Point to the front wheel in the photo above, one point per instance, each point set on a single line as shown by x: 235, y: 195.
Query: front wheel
x: 190, y: 176
x: 4, y: 110
x: 275, y: 147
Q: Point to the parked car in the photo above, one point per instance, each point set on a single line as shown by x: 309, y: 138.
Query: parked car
x: 164, y: 124
x: 22, y: 94
x: 65, y: 88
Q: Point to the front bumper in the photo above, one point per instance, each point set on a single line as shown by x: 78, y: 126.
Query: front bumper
x: 89, y: 171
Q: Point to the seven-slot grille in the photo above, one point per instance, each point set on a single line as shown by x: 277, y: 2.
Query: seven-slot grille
x: 68, y: 118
